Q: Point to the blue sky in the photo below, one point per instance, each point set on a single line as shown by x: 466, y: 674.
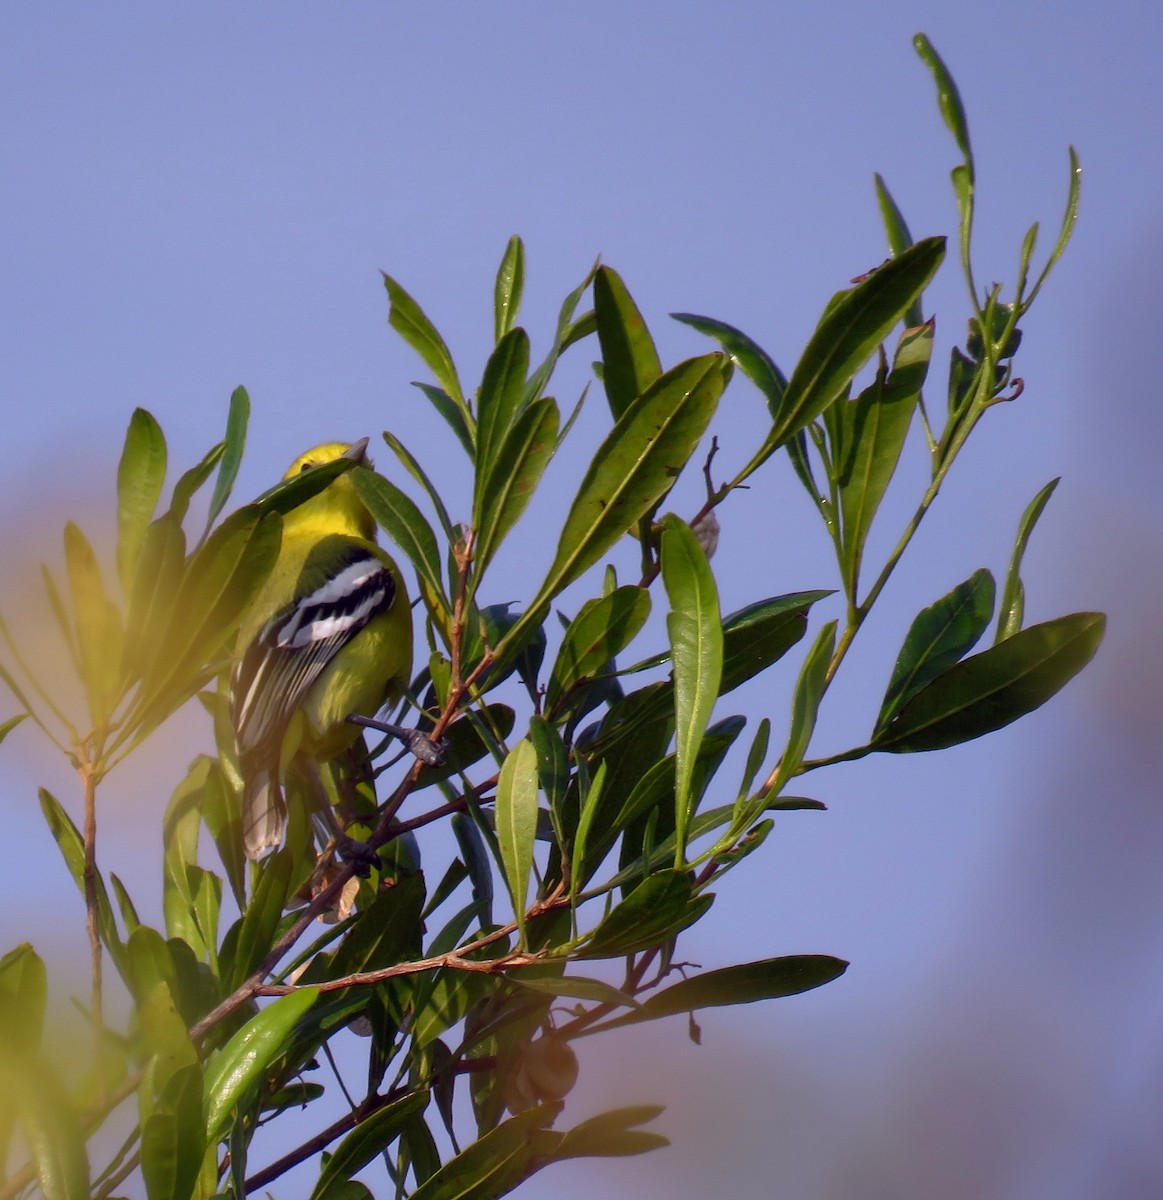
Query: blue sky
x: 203, y: 196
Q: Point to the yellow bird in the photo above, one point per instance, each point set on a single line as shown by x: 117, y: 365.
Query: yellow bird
x: 329, y: 636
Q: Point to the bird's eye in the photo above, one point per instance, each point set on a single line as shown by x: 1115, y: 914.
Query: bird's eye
x: 306, y: 466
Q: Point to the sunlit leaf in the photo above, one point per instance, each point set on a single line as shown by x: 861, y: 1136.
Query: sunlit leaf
x: 657, y: 909
x: 696, y: 652
x: 629, y: 360
x: 140, y: 476
x: 407, y: 318
x: 237, y: 421
x: 762, y: 633
x: 508, y: 288
x: 748, y: 355
x: 369, y: 1139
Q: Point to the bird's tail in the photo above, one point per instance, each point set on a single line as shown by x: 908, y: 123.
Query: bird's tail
x: 264, y: 812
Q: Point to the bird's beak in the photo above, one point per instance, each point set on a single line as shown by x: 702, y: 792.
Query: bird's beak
x: 357, y: 452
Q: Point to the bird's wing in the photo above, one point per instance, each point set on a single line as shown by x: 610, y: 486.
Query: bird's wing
x: 291, y: 651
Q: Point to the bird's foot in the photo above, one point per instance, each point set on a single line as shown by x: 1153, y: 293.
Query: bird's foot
x: 430, y: 751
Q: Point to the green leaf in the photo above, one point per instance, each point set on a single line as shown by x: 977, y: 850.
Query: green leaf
x: 696, y: 652
x: 499, y: 402
x: 574, y: 987
x: 629, y: 360
x: 173, y: 1138
x: 746, y: 354
x: 602, y: 628
x: 140, y: 476
x: 657, y: 909
x: 899, y: 240
x: 516, y: 812
x: 612, y: 1134
x: 6, y: 727
x: 762, y: 633
x: 634, y: 467
x: 948, y: 97
x: 552, y: 769
x: 407, y: 318
x: 417, y: 472
x: 509, y: 287
x: 566, y: 334
x: 1013, y: 594
x: 98, y: 626
x: 49, y: 1122
x: 370, y: 1138
x: 190, y: 481
x: 23, y: 998
x: 993, y: 688
x: 1069, y: 217
x: 747, y: 983
x: 510, y: 479
x: 494, y: 1164
x: 853, y: 325
x: 875, y: 430
x: 805, y: 708
x: 237, y: 421
x: 939, y: 636
x: 459, y: 419
x: 262, y: 916
x: 243, y: 1062
x: 403, y: 522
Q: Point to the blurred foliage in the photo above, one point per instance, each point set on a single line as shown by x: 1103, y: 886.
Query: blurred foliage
x: 588, y: 794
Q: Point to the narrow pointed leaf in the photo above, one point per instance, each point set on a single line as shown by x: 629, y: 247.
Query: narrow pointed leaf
x: 948, y: 97
x: 237, y: 421
x: 939, y: 636
x: 805, y: 708
x: 1013, y: 594
x: 878, y: 421
x: 513, y: 476
x: 407, y: 318
x: 696, y: 652
x: 6, y: 727
x: 629, y: 359
x: 404, y: 523
x: 173, y: 1142
x: 516, y: 813
x: 762, y: 633
x: 746, y: 354
x: 499, y: 400
x: 602, y: 629
x: 509, y: 287
x: 612, y: 1133
x: 657, y: 909
x: 458, y: 419
x: 993, y: 688
x: 635, y: 466
x: 369, y: 1139
x: 747, y: 983
x: 854, y: 324
x: 140, y: 476
x: 243, y: 1062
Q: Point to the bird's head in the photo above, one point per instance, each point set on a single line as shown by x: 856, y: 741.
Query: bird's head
x: 337, y: 508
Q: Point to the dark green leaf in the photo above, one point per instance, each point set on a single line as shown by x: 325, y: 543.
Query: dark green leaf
x: 991, y: 689
x: 516, y: 814
x: 574, y: 987
x: 467, y: 744
x: 416, y: 471
x: 494, y: 1164
x: 262, y: 916
x: 407, y: 318
x: 1013, y: 594
x: 854, y: 324
x: 509, y: 287
x: 552, y: 768
x: 510, y: 479
x: 747, y: 983
x: 635, y: 466
x: 602, y: 629
x: 236, y: 424
x: 190, y: 481
x: 751, y: 358
x: 403, y: 522
x: 657, y: 909
x: 939, y: 636
x: 499, y: 402
x: 629, y: 359
x: 948, y: 97
x: 612, y: 1133
x: 877, y: 423
x: 370, y: 1138
x: 899, y: 239
x: 696, y: 653
x: 140, y: 476
x: 173, y: 1138
x: 458, y: 419
x: 760, y: 634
